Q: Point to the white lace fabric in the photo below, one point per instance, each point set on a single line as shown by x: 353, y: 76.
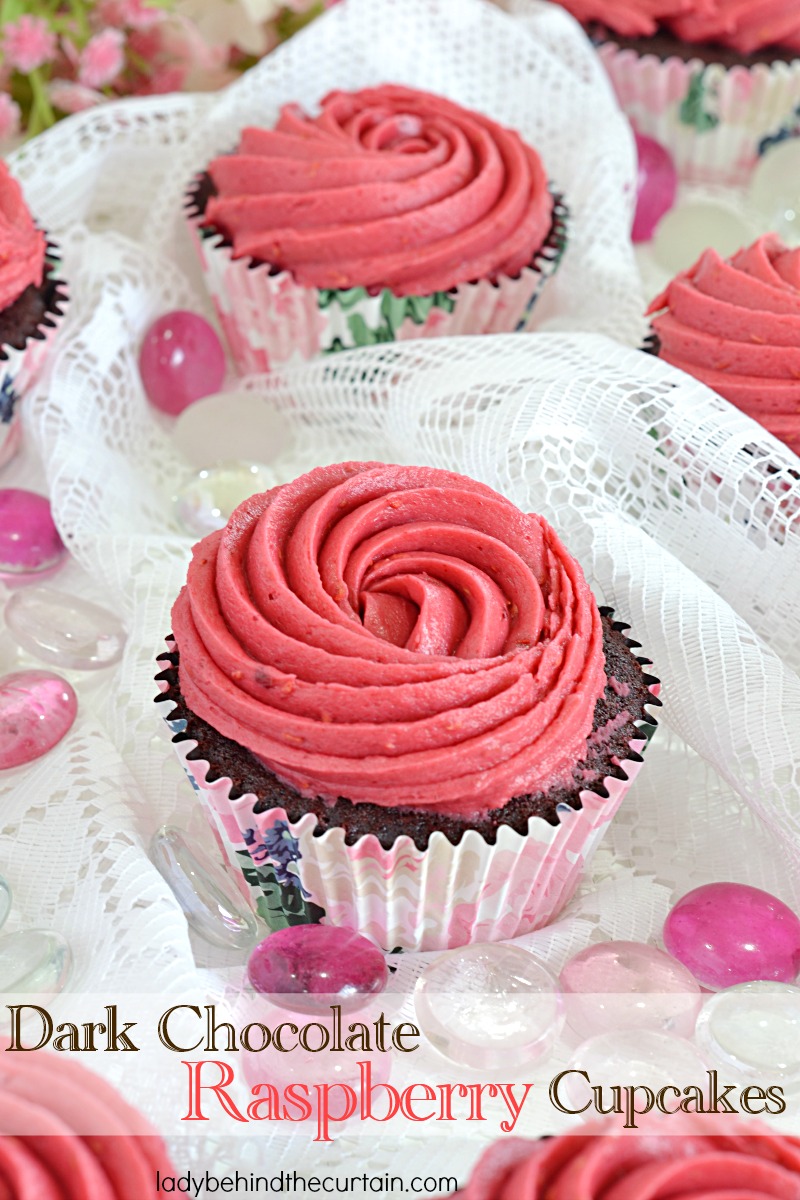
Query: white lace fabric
x: 684, y: 513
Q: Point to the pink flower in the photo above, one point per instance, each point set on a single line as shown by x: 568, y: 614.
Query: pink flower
x: 102, y: 59
x: 28, y: 43
x: 9, y: 117
x: 128, y: 14
x: 69, y: 97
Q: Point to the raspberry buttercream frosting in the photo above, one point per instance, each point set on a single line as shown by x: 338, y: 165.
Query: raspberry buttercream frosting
x: 397, y: 635
x: 22, y: 245
x: 674, y: 1158
x: 65, y: 1134
x: 389, y: 187
x: 735, y: 325
x: 746, y: 26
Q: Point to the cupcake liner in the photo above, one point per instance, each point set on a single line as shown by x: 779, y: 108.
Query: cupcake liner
x: 403, y: 897
x: 715, y: 121
x: 268, y: 319
x: 20, y: 365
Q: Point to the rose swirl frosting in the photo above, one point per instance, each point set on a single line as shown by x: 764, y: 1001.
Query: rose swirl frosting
x: 670, y: 1159
x: 387, y: 187
x: 735, y: 325
x: 22, y: 245
x: 747, y: 26
x: 398, y: 635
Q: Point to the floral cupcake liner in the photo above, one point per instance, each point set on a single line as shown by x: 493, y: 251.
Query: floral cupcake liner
x: 268, y: 319
x: 406, y: 898
x: 715, y: 121
x: 20, y: 365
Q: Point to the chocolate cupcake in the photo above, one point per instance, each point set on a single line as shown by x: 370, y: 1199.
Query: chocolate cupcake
x: 392, y: 214
x: 31, y: 304
x: 402, y: 705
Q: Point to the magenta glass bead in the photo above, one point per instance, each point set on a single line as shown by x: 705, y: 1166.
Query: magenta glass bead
x: 306, y: 967
x: 729, y: 933
x: 37, y: 709
x: 656, y: 187
x: 181, y: 360
x: 29, y: 542
x: 629, y: 985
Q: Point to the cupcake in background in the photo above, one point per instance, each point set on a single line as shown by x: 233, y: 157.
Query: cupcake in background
x: 31, y: 304
x: 392, y: 214
x: 401, y: 705
x: 679, y: 1157
x: 714, y: 81
x: 735, y: 325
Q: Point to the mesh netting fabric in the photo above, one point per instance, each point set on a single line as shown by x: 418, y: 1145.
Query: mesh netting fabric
x: 684, y: 513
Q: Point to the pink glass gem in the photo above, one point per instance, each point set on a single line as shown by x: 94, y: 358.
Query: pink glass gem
x: 729, y: 933
x: 181, y: 360
x: 36, y: 710
x: 307, y: 967
x: 629, y: 985
x: 656, y: 187
x: 29, y: 541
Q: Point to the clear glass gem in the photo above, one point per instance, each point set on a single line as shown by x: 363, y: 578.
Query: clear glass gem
x: 36, y: 962
x: 206, y: 501
x: 209, y: 900
x: 631, y: 1058
x: 629, y: 985
x: 697, y: 225
x: 754, y: 1029
x: 774, y: 192
x: 729, y: 933
x: 30, y: 544
x: 306, y: 968
x: 37, y: 709
x: 180, y: 361
x: 5, y: 901
x: 231, y: 427
x: 64, y: 630
x: 489, y: 1006
x: 656, y: 187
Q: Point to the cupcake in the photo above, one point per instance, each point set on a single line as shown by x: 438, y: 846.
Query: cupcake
x: 31, y: 301
x: 392, y: 214
x: 402, y: 706
x: 64, y: 1132
x: 714, y: 81
x: 735, y: 325
x: 680, y: 1157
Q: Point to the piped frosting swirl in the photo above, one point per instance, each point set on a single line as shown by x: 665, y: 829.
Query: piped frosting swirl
x: 22, y: 245
x: 397, y: 635
x: 746, y: 26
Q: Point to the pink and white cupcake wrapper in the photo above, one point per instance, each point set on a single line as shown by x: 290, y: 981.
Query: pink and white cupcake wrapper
x: 268, y: 319
x: 715, y: 121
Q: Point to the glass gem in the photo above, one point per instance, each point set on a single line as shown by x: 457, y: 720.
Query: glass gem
x: 5, y: 901
x: 629, y: 985
x: 656, y: 186
x: 631, y: 1058
x: 37, y: 709
x: 29, y: 541
x: 697, y: 225
x: 209, y: 900
x: 754, y: 1028
x: 305, y: 968
x: 774, y: 192
x: 729, y: 933
x: 489, y: 1006
x: 180, y: 361
x: 65, y: 630
x: 206, y: 501
x: 228, y: 427
x: 34, y: 961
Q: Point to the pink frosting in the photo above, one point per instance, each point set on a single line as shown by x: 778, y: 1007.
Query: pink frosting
x: 744, y: 25
x: 399, y: 635
x: 676, y: 1158
x: 22, y: 245
x: 387, y: 187
x: 735, y: 325
x: 65, y: 1134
